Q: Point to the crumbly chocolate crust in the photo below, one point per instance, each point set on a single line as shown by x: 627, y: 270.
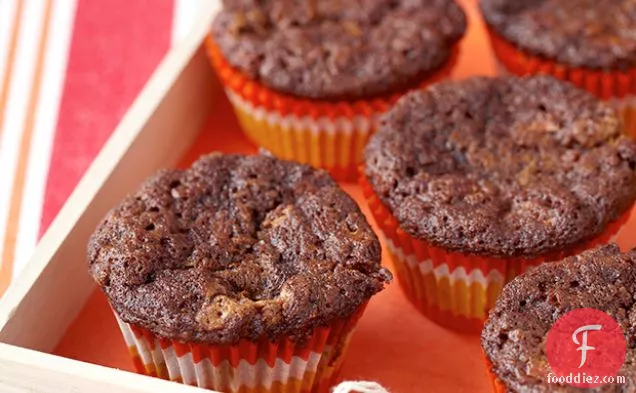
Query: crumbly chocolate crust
x: 236, y: 247
x: 503, y: 166
x: 581, y: 33
x: 334, y: 49
x: 515, y: 334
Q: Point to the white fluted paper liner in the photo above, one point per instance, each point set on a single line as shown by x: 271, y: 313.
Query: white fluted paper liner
x: 247, y: 367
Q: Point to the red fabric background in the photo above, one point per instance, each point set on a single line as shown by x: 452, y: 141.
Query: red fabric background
x: 116, y: 46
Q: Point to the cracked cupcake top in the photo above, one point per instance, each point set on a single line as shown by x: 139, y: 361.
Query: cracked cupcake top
x: 503, y: 166
x: 236, y: 247
x: 581, y: 33
x: 514, y: 337
x: 334, y: 49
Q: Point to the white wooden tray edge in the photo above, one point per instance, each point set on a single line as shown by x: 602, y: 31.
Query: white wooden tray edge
x: 24, y: 370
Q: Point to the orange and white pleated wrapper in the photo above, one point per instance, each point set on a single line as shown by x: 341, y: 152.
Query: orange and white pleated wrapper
x: 327, y: 135
x: 452, y: 289
x: 247, y: 367
x: 617, y: 87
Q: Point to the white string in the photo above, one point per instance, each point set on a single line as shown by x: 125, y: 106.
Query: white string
x: 359, y: 387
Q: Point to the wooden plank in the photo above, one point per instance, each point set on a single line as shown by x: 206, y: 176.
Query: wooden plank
x: 23, y: 370
x: 155, y: 133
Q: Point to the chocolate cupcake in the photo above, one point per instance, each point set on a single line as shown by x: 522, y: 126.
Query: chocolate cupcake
x: 308, y: 79
x: 474, y: 181
x: 590, y: 43
x: 240, y: 272
x: 515, y: 337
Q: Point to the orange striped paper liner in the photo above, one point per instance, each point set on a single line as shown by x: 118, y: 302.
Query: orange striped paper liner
x: 329, y: 342
x: 615, y: 86
x: 325, y: 134
x: 456, y: 304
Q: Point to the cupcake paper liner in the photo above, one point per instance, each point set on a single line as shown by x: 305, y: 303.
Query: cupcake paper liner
x: 455, y: 290
x: 325, y: 134
x: 614, y: 86
x: 247, y: 367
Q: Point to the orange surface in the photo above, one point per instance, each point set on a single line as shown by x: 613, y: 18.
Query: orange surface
x: 393, y: 344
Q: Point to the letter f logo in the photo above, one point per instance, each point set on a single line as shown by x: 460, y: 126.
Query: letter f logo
x: 583, y: 346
